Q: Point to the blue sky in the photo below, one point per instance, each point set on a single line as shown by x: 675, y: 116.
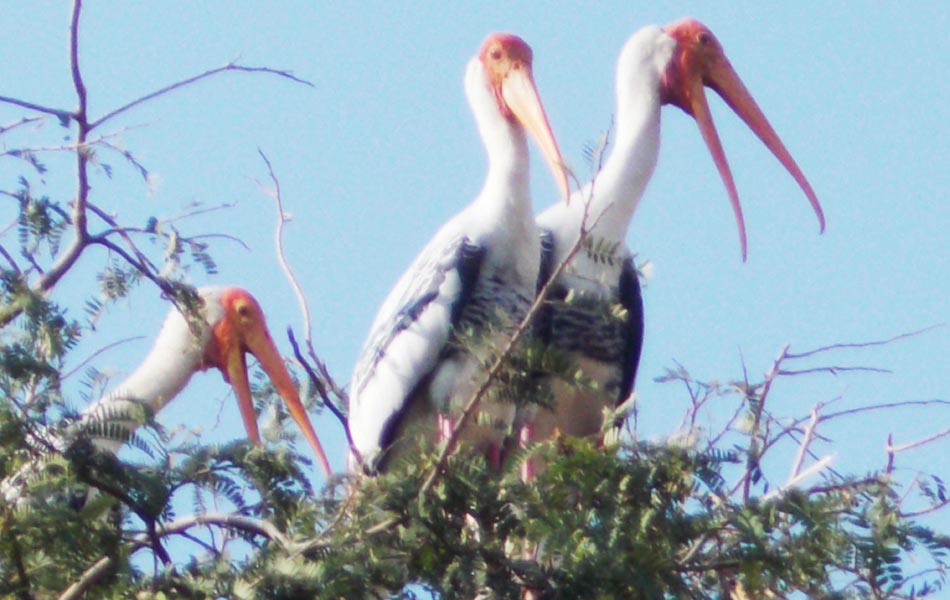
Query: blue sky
x: 383, y: 149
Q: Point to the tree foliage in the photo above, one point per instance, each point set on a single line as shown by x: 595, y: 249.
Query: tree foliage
x: 702, y: 514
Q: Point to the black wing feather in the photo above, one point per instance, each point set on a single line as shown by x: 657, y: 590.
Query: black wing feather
x: 632, y: 300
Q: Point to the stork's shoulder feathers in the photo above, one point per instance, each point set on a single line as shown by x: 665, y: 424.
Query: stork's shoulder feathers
x: 409, y: 333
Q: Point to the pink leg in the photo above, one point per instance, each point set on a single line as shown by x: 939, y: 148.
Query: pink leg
x: 445, y: 427
x: 524, y: 437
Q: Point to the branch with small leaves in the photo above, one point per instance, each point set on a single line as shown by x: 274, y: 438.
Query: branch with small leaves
x: 83, y: 147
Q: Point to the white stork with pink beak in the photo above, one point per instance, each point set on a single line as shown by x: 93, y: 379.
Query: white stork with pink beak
x: 657, y: 66
x: 479, y: 271
x: 231, y: 325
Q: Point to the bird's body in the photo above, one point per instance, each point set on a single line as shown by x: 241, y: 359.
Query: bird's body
x: 604, y: 342
x: 229, y: 323
x: 595, y: 312
x: 467, y: 288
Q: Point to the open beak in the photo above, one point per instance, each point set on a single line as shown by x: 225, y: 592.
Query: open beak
x: 259, y: 343
x: 521, y: 96
x: 699, y: 62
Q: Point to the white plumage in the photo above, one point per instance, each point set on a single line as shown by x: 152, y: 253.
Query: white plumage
x: 657, y: 66
x: 481, y: 265
x: 231, y: 325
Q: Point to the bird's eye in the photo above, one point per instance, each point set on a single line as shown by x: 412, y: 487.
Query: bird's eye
x: 704, y: 38
x: 243, y: 310
x: 496, y: 54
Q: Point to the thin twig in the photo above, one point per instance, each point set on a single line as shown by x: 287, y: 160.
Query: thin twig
x: 223, y: 520
x: 891, y: 449
x: 819, y: 465
x: 322, y: 380
x: 279, y: 243
x: 24, y: 121
x: 88, y: 359
x: 321, y: 388
x: 886, y: 405
x: 63, y: 115
x: 142, y: 264
x: 834, y: 370
x: 863, y: 344
x: 806, y: 441
x: 13, y: 266
x: 231, y: 66
x: 66, y: 260
x: 201, y: 211
x: 754, y: 450
x: 73, y: 147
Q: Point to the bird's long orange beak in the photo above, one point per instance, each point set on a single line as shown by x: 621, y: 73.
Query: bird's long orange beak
x: 242, y: 330
x: 699, y: 61
x: 521, y: 96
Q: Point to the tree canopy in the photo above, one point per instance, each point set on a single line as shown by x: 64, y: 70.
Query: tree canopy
x: 748, y: 508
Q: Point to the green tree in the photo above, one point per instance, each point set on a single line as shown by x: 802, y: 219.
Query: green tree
x: 704, y: 514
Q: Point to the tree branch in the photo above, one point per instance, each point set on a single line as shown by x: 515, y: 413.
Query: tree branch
x: 231, y: 66
x: 848, y: 345
x: 64, y: 116
x: 24, y: 121
x: 178, y: 526
x: 282, y: 219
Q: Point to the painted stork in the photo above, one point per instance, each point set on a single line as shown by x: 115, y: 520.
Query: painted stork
x: 657, y: 66
x: 232, y: 325
x: 480, y: 268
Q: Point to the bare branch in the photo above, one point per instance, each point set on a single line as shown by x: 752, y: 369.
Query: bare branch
x: 834, y: 370
x: 106, y: 348
x: 201, y: 211
x: 13, y: 266
x: 142, y: 264
x: 863, y: 344
x: 66, y: 260
x: 886, y: 405
x: 806, y: 441
x: 177, y: 527
x: 231, y: 66
x: 893, y: 450
x: 323, y: 380
x: 754, y: 449
x: 63, y: 115
x: 74, y: 59
x: 321, y: 388
x: 282, y: 218
x: 24, y: 121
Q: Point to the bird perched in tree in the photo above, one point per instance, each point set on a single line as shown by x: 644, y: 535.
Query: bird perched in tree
x: 477, y: 275
x: 595, y: 310
x: 228, y: 325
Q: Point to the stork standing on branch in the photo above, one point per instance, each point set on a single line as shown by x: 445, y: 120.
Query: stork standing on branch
x: 479, y: 270
x: 231, y: 324
x: 657, y: 66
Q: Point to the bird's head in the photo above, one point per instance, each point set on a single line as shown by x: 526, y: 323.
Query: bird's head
x: 506, y: 62
x: 241, y: 329
x: 698, y: 61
